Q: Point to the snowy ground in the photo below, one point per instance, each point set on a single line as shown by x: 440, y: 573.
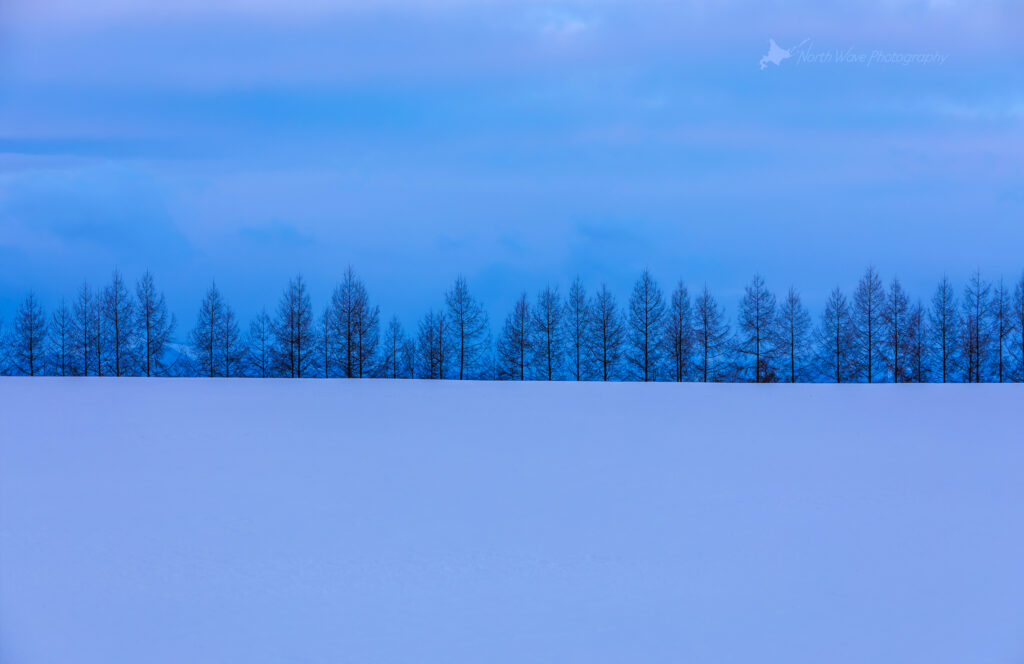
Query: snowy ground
x: 195, y: 521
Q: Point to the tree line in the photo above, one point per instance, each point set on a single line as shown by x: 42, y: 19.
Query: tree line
x: 876, y: 334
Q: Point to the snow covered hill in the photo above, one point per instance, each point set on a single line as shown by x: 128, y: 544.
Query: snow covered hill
x: 271, y: 521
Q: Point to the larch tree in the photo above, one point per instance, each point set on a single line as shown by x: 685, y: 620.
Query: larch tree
x: 28, y: 341
x: 233, y: 350
x: 100, y: 335
x: 408, y: 366
x: 444, y: 348
x: 868, y: 302
x: 61, y: 337
x: 332, y: 333
x: 975, y: 330
x: 943, y: 328
x: 259, y: 346
x: 328, y: 342
x: 431, y: 346
x: 835, y: 339
x: 514, y: 351
x: 81, y: 331
x: 894, y: 320
x: 355, y: 326
x: 917, y: 356
x: 711, y: 336
x: 1017, y: 346
x: 756, y: 338
x: 206, y: 337
x: 118, y: 312
x: 337, y: 334
x: 793, y: 330
x: 153, y: 324
x: 1002, y: 328
x: 294, y: 348
x: 391, y: 361
x: 576, y: 319
x: 547, y: 335
x: 677, y: 336
x: 470, y: 332
x: 606, y: 335
x: 645, y: 324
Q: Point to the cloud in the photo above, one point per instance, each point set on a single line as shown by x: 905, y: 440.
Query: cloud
x: 88, y: 210
x: 276, y: 234
x: 517, y: 136
x: 991, y: 109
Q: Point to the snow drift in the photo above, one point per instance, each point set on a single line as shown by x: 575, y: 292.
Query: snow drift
x: 170, y: 521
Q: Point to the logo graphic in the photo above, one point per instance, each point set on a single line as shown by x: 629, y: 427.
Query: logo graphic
x: 777, y: 54
x: 805, y: 53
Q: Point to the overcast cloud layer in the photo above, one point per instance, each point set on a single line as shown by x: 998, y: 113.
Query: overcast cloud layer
x: 514, y: 142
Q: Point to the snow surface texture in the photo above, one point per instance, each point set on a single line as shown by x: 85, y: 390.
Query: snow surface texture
x: 173, y: 521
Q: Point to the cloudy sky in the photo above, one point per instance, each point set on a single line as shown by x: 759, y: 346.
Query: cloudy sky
x: 515, y: 142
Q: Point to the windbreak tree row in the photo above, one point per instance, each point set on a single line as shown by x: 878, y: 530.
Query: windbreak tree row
x: 877, y: 333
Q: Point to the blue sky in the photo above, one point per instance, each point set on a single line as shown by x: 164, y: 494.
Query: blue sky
x: 518, y: 143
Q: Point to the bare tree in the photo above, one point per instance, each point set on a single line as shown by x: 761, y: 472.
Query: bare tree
x: 943, y: 326
x: 81, y: 331
x: 328, y: 341
x: 99, y: 334
x: 547, y: 335
x: 432, y: 347
x: 233, y: 355
x: 514, y: 350
x: 408, y: 366
x: 470, y: 330
x: 975, y: 334
x: 1002, y: 327
x: 756, y: 339
x: 577, y: 321
x: 352, y: 327
x: 917, y: 356
x: 868, y: 302
x: 645, y: 324
x: 61, y: 338
x: 606, y: 335
x: 118, y: 312
x: 711, y: 334
x: 294, y: 350
x: 28, y: 342
x: 392, y: 364
x: 794, y: 337
x: 206, y: 337
x: 835, y: 339
x: 154, y: 325
x: 1017, y: 347
x: 259, y: 345
x: 894, y: 320
x: 677, y: 337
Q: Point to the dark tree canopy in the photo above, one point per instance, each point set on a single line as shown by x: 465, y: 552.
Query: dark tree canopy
x: 868, y: 303
x: 606, y: 335
x: 645, y: 325
x: 968, y: 333
x: 711, y: 338
x: 793, y: 338
x: 470, y: 330
x: 294, y: 350
x: 28, y: 342
x: 756, y: 341
x: 514, y: 350
x: 836, y: 342
x: 547, y: 335
x: 678, y: 336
